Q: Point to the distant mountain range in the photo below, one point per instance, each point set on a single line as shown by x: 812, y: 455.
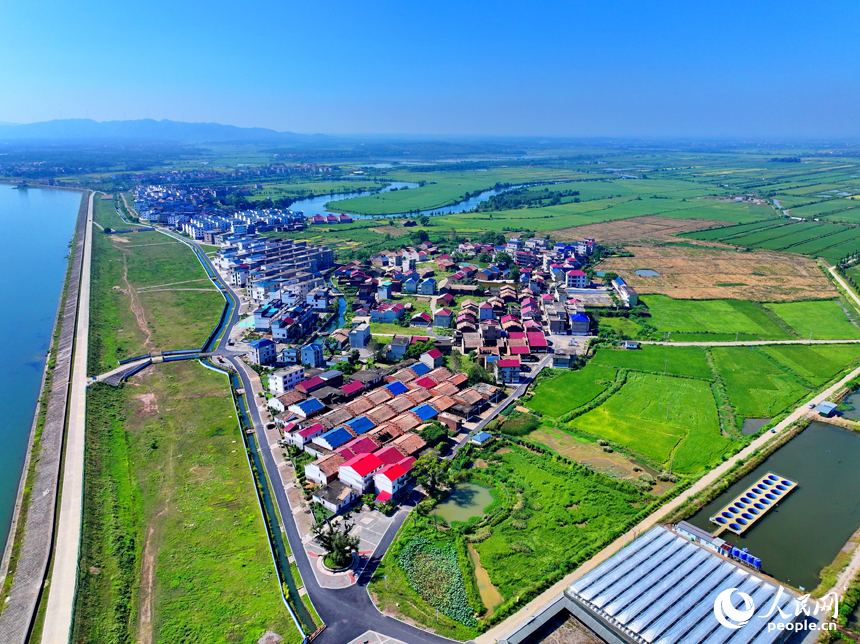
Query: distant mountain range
x: 145, y: 130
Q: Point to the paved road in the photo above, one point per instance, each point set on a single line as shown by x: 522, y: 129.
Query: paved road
x: 61, y: 599
x: 549, y: 595
x: 746, y: 343
x: 347, y: 612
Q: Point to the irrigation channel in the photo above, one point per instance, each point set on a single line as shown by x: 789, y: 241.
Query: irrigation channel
x: 805, y: 531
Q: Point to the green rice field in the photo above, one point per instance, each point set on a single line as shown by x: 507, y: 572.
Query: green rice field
x: 567, y: 390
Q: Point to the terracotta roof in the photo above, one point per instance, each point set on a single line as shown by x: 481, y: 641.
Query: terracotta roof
x: 441, y: 403
x: 439, y: 374
x: 401, y: 403
x: 291, y: 398
x: 359, y: 406
x: 328, y: 464
x: 444, y: 389
x: 459, y: 379
x: 385, y: 433
x: 406, y: 422
x: 379, y: 396
x: 335, y: 418
x: 410, y: 443
x: 468, y: 397
x: 381, y: 413
x: 420, y: 395
x: 404, y: 376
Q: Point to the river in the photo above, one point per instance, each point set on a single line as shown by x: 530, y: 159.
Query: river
x: 37, y: 228
x: 317, y: 205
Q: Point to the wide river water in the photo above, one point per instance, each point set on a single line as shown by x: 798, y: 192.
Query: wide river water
x: 37, y: 226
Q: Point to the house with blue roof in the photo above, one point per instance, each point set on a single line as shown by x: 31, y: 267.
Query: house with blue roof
x: 396, y: 388
x: 262, y: 351
x: 306, y: 408
x: 579, y: 324
x: 360, y: 425
x: 333, y: 438
x: 420, y: 369
x: 424, y: 412
x: 481, y: 438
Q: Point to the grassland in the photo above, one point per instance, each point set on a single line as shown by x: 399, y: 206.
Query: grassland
x: 167, y: 479
x: 149, y: 293
x: 814, y: 364
x: 664, y: 419
x: 564, y: 391
x: 555, y: 516
x: 689, y: 362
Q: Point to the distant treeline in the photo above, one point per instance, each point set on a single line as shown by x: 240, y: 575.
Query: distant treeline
x: 786, y: 159
x: 526, y: 198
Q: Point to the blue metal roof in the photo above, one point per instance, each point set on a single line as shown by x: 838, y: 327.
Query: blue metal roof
x: 424, y: 412
x: 360, y: 425
x: 481, y: 437
x: 264, y: 342
x: 579, y: 317
x: 420, y: 369
x: 396, y: 388
x: 310, y: 405
x: 336, y: 437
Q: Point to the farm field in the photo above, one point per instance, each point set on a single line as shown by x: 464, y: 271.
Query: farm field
x: 689, y: 362
x: 828, y: 240
x: 639, y: 230
x: 567, y: 390
x: 154, y: 525
x: 713, y: 316
x: 689, y: 273
x: 757, y: 387
x: 664, y: 419
x: 624, y: 327
x: 818, y: 320
x: 815, y: 364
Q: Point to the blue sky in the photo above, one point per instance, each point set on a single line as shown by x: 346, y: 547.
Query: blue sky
x: 741, y: 69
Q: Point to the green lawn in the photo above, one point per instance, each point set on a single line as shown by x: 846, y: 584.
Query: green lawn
x: 166, y: 468
x: 757, y: 388
x: 636, y: 417
x: 567, y: 390
x: 674, y: 361
x: 713, y: 316
x: 822, y: 320
x: 624, y: 327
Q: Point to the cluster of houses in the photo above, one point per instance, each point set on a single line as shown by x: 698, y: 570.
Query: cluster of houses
x: 329, y: 219
x: 364, y: 431
x: 192, y: 212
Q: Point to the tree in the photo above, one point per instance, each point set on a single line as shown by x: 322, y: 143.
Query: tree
x: 515, y: 273
x: 416, y: 349
x: 431, y: 471
x: 331, y: 345
x: 337, y: 542
x: 503, y: 259
x: 420, y: 236
x: 424, y: 220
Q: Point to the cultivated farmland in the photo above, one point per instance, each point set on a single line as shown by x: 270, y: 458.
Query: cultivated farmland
x: 714, y: 316
x: 661, y: 417
x: 689, y: 362
x: 818, y: 320
x: 567, y: 390
x: 815, y: 364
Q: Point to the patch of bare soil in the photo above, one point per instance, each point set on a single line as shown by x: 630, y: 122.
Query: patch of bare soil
x: 708, y: 273
x: 124, y: 240
x: 638, y: 230
x: 135, y: 305
x: 394, y: 231
x: 149, y: 405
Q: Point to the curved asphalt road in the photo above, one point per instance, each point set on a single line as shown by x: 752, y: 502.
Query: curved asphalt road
x: 347, y: 612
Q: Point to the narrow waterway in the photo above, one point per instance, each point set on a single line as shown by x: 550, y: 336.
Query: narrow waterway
x: 317, y: 205
x: 37, y: 228
x: 805, y: 532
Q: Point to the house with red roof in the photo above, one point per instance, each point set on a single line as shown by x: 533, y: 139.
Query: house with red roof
x: 358, y: 472
x: 537, y: 342
x: 433, y: 358
x: 351, y: 389
x: 442, y: 318
x: 576, y: 279
x: 507, y: 370
x: 391, y: 479
x: 300, y: 437
x: 309, y: 385
x: 421, y: 319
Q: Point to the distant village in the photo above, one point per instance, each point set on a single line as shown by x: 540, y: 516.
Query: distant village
x: 360, y: 358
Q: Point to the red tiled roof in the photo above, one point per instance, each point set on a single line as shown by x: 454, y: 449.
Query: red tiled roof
x: 363, y: 464
x: 352, y: 388
x: 393, y: 472
x: 434, y: 353
x: 519, y: 351
x: 513, y: 362
x: 536, y: 339
x: 427, y: 383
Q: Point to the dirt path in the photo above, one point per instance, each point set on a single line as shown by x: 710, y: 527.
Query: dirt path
x: 145, y: 634
x: 135, y: 304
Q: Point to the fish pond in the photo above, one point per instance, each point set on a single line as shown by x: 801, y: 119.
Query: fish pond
x: 804, y: 533
x: 466, y: 501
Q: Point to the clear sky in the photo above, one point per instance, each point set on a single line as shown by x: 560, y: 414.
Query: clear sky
x: 751, y: 68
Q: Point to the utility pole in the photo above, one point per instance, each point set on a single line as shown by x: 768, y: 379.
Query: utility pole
x: 810, y: 335
x: 737, y: 333
x: 668, y: 404
x: 666, y: 367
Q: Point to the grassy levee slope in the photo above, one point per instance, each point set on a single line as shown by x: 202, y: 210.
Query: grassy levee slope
x: 138, y: 306
x: 171, y: 520
x: 663, y: 418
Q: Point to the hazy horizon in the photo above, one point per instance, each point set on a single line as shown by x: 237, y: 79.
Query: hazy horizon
x: 623, y: 70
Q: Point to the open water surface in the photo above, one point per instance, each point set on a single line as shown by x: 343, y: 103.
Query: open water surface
x: 805, y: 532
x: 37, y: 226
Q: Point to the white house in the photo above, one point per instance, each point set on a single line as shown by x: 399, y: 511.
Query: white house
x: 335, y: 497
x: 281, y: 381
x: 359, y: 336
x: 358, y: 471
x: 262, y: 351
x: 391, y: 479
x: 576, y: 279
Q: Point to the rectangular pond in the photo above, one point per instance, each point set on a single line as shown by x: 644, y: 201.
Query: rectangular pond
x: 805, y: 532
x: 466, y: 501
